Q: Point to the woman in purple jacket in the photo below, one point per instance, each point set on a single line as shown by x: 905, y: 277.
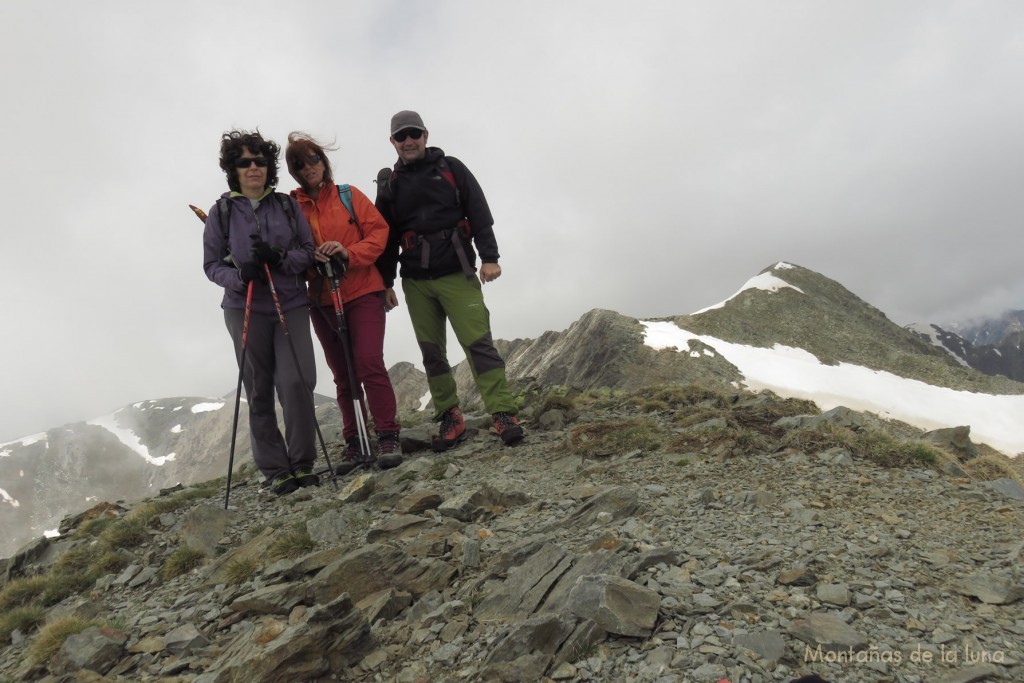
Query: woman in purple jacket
x: 249, y: 227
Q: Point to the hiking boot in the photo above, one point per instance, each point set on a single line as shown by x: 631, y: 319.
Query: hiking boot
x: 453, y: 430
x: 306, y: 477
x: 389, y: 450
x: 284, y: 483
x: 350, y: 458
x: 508, y: 428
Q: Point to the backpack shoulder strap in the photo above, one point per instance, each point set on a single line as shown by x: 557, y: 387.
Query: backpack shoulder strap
x: 345, y: 193
x: 224, y: 213
x: 446, y: 173
x: 286, y: 204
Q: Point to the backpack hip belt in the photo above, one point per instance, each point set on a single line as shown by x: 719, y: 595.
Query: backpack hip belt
x: 411, y: 239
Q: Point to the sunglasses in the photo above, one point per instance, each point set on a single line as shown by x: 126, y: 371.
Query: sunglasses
x: 414, y: 133
x: 246, y: 162
x: 299, y: 164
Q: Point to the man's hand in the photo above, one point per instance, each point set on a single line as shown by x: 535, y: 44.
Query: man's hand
x: 489, y: 272
x: 390, y: 299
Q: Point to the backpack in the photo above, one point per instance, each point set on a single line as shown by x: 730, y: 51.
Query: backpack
x: 386, y: 176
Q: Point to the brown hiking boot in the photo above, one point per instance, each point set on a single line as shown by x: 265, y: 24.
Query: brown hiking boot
x: 453, y: 430
x: 389, y: 450
x: 508, y: 428
x: 350, y: 459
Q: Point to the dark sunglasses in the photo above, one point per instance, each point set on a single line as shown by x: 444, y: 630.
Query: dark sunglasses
x: 299, y: 164
x: 246, y: 162
x: 414, y: 133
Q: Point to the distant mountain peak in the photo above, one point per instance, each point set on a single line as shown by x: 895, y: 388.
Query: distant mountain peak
x: 768, y: 280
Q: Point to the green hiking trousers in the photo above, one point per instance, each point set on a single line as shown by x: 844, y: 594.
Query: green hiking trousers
x: 460, y: 301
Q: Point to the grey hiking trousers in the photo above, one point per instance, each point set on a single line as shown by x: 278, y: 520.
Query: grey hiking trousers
x: 269, y: 365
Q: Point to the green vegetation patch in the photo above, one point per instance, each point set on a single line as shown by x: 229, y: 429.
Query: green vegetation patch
x: 616, y: 437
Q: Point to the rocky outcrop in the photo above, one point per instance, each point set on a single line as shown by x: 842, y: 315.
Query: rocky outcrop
x: 601, y: 349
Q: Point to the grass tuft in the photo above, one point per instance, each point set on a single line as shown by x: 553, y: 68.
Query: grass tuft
x: 616, y: 437
x: 52, y: 636
x: 23, y: 619
x: 128, y: 532
x: 21, y: 592
x: 60, y: 586
x: 240, y: 569
x: 291, y: 544
x: 182, y: 561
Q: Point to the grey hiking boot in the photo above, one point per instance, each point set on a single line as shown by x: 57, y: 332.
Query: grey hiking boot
x: 284, y: 483
x: 306, y: 477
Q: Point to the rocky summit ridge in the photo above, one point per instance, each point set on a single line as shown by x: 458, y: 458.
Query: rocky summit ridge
x: 672, y: 533
x: 661, y: 523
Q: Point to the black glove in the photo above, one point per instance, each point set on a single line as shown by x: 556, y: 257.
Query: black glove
x: 250, y: 270
x: 264, y: 253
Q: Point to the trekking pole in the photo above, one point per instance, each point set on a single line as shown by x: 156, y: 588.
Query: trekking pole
x: 335, y: 269
x: 298, y: 368
x: 241, y: 365
x: 238, y: 391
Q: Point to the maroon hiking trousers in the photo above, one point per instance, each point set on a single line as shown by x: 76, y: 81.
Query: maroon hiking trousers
x: 365, y: 317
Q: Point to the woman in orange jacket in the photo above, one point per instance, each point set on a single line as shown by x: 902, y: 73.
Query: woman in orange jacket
x: 357, y: 240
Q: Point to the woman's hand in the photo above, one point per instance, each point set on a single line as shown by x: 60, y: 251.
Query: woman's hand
x: 326, y: 250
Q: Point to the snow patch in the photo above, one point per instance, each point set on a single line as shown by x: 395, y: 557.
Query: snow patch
x: 176, y: 429
x: 795, y: 373
x: 6, y: 498
x: 765, y: 281
x: 207, y: 407
x: 424, y: 400
x: 24, y: 441
x: 127, y: 437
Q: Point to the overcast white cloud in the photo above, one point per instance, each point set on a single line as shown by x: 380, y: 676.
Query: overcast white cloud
x: 647, y: 158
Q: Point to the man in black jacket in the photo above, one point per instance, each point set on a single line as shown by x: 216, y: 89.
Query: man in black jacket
x: 437, y: 213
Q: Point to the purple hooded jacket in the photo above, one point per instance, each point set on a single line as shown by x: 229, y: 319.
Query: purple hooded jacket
x: 270, y: 222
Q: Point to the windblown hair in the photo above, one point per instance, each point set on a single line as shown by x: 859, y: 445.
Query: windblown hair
x: 302, y: 146
x: 234, y: 143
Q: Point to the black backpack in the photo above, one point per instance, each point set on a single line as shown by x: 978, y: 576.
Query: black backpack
x: 386, y: 177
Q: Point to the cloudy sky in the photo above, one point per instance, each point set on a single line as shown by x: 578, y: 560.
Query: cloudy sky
x: 647, y: 158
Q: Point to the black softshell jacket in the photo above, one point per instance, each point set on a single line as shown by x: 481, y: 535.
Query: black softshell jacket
x: 424, y: 202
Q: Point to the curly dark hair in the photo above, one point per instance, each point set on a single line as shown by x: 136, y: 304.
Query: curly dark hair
x: 234, y: 143
x: 303, y: 146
